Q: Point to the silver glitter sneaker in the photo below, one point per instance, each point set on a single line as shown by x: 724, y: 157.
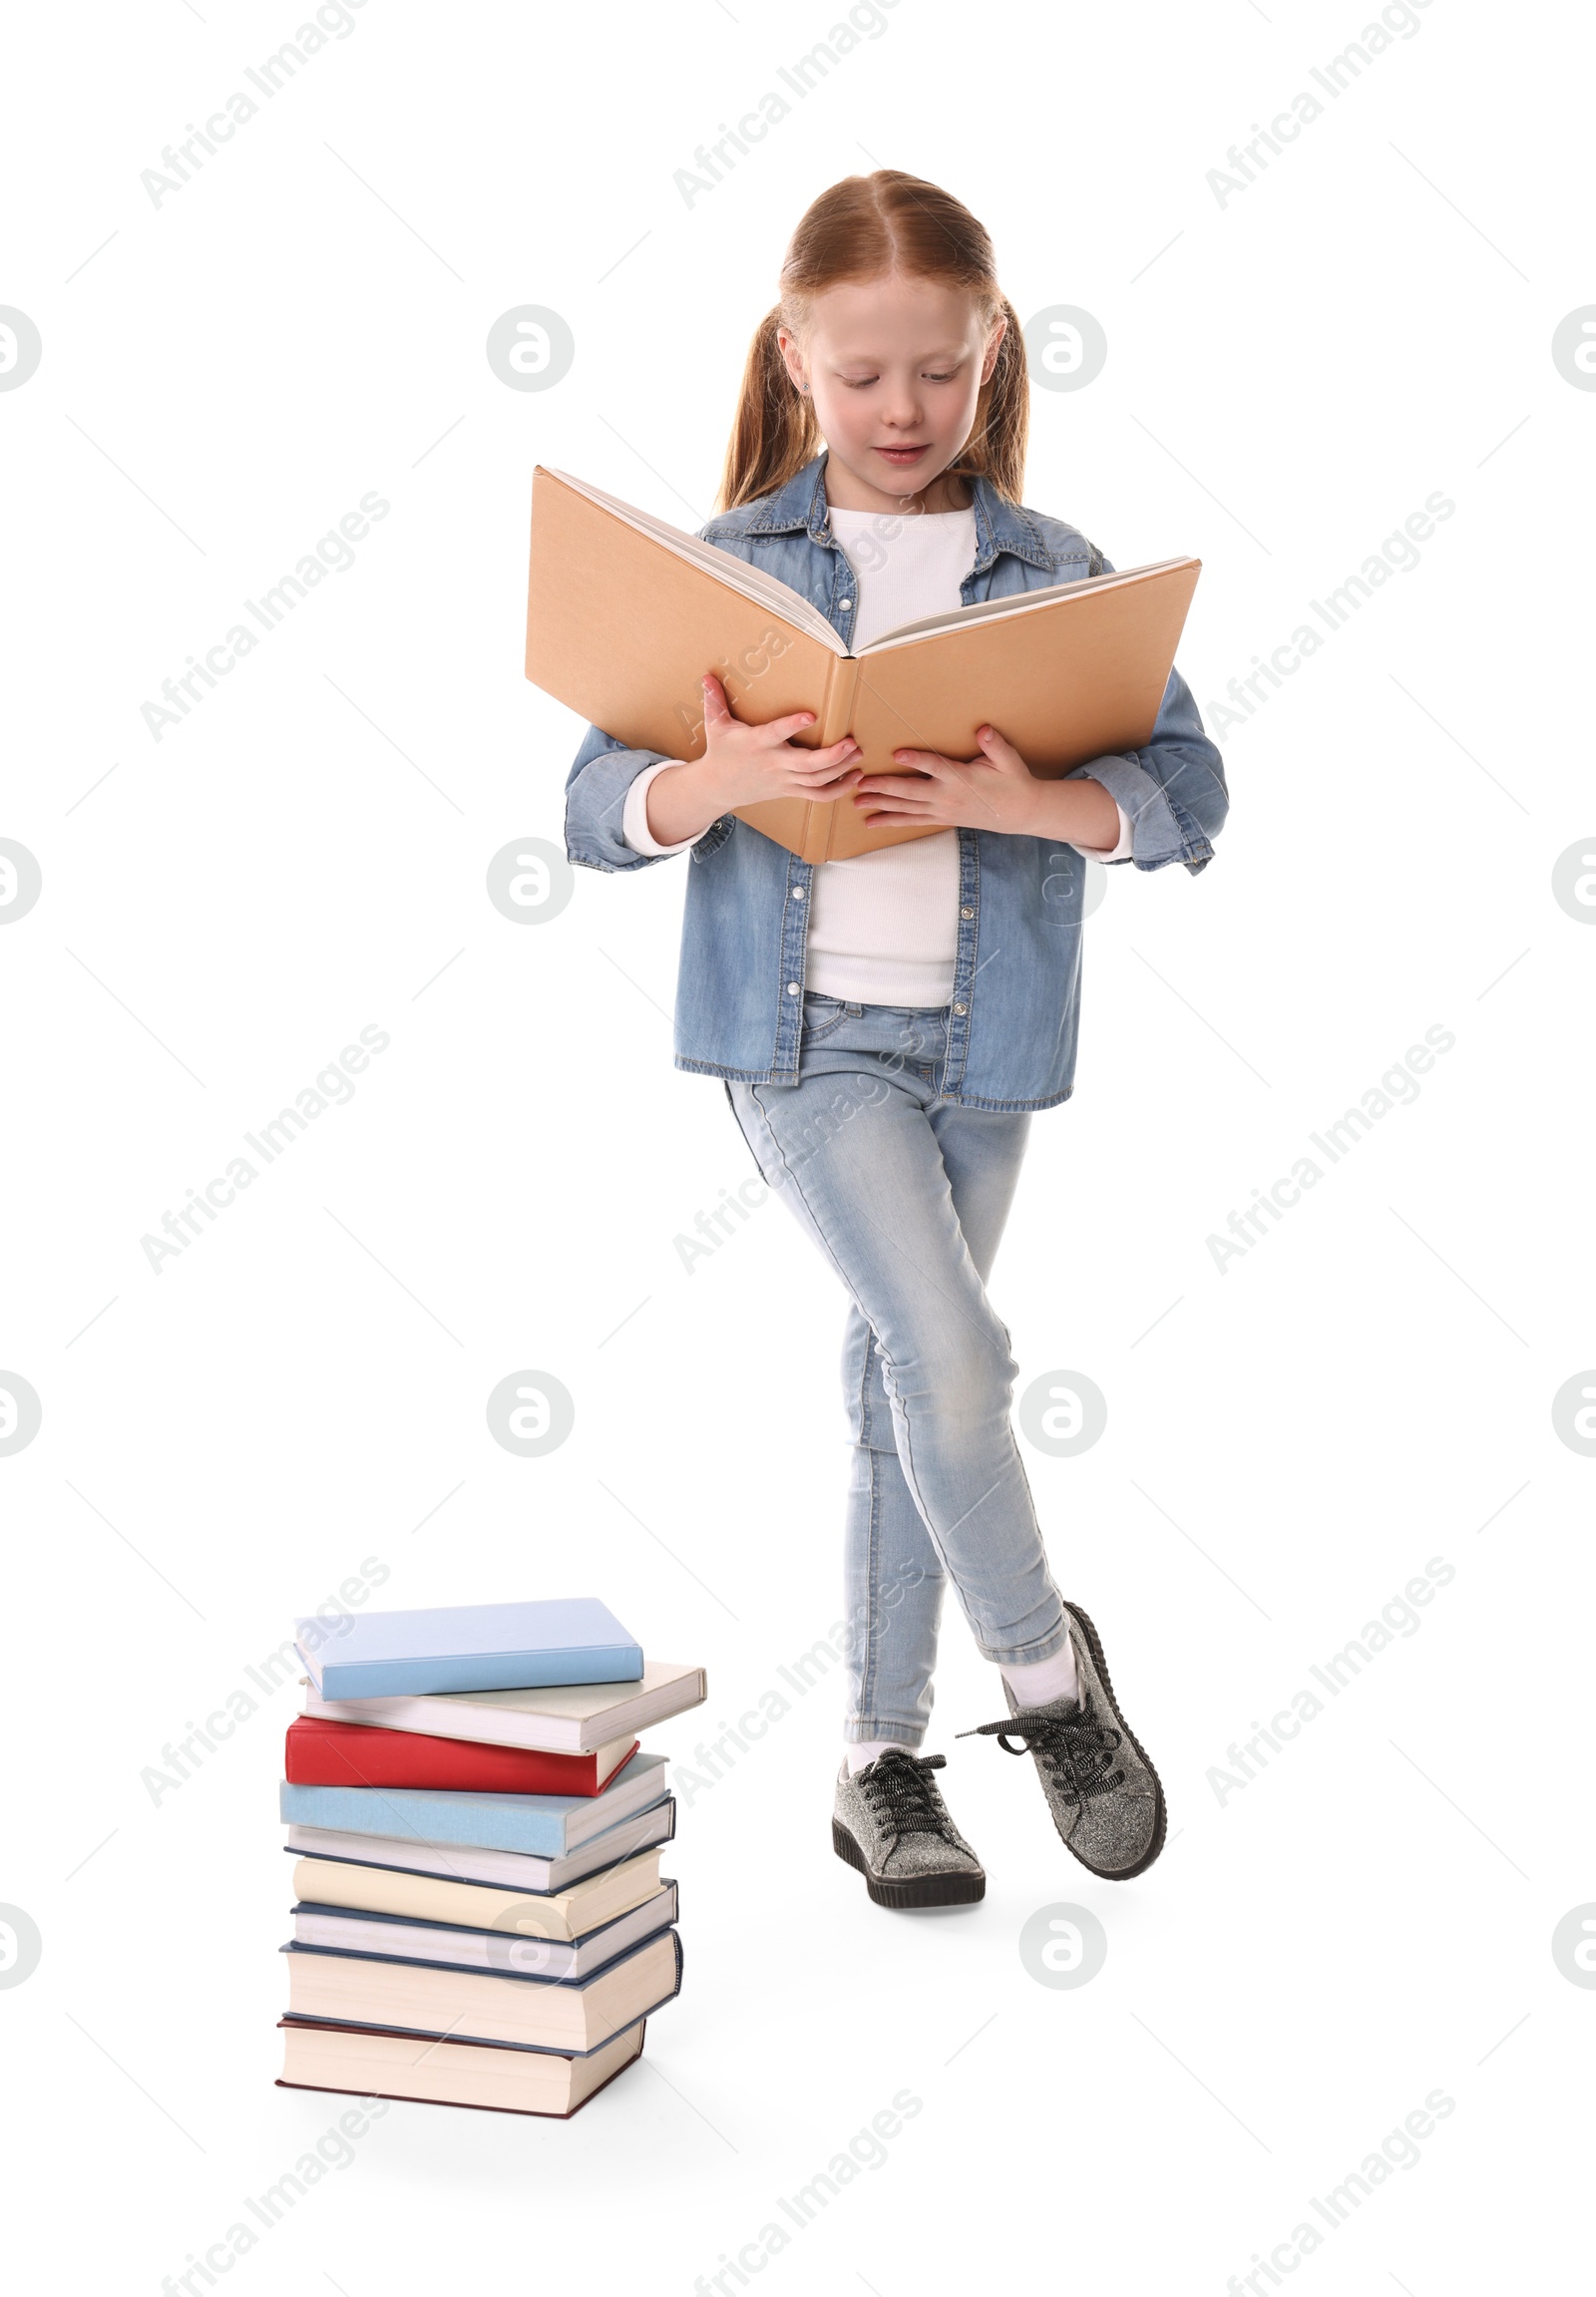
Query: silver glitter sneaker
x: 1103, y: 1793
x: 891, y: 1821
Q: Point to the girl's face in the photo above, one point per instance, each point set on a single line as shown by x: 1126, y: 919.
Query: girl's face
x: 894, y: 367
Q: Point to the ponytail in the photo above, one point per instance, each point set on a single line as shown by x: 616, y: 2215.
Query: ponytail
x: 997, y: 442
x: 862, y: 229
x: 775, y: 432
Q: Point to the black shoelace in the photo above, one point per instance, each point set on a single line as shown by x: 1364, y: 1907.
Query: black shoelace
x: 1074, y: 1747
x: 901, y: 1797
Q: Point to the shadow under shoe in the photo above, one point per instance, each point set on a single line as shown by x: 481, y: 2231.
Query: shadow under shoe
x: 890, y: 1822
x: 1106, y: 1798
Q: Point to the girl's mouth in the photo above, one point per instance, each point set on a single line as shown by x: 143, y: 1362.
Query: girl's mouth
x: 904, y: 456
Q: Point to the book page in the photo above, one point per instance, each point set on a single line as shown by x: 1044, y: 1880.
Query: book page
x: 763, y: 589
x: 989, y: 608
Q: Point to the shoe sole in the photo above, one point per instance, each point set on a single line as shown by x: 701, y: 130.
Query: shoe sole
x: 1120, y: 1873
x: 923, y: 1890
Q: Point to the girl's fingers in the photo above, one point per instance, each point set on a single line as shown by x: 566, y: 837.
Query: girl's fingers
x: 783, y: 729
x: 810, y: 762
x: 828, y: 784
x: 718, y: 708
x: 893, y: 809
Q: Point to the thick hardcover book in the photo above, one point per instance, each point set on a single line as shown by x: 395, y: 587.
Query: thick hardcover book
x: 574, y: 2016
x: 568, y: 1718
x: 509, y: 1947
x: 372, y: 2062
x: 322, y: 1753
x: 534, y: 1825
x: 495, y: 1869
x: 427, y: 1898
x: 626, y: 614
x: 515, y: 1943
x: 466, y: 1647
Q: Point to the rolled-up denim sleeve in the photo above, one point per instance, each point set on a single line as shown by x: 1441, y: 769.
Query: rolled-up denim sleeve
x: 596, y: 802
x: 1172, y: 790
x: 596, y: 807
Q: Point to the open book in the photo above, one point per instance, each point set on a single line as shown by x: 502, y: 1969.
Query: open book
x: 626, y: 615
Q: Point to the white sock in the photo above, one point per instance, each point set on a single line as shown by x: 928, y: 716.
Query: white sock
x: 866, y: 1752
x: 1048, y: 1680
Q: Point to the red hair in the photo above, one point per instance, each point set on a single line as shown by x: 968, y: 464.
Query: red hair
x: 865, y: 228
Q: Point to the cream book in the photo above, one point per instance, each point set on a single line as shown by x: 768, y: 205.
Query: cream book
x: 624, y: 615
x: 574, y: 2016
x: 560, y: 1718
x: 371, y: 2063
x: 566, y: 1915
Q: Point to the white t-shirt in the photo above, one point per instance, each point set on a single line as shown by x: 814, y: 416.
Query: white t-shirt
x: 883, y: 927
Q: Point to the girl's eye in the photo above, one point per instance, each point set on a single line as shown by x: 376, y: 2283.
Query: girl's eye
x: 863, y: 382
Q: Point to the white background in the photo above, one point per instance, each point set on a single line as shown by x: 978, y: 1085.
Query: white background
x: 1289, y: 376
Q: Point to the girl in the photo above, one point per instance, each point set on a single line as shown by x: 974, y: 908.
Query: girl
x: 885, y: 1025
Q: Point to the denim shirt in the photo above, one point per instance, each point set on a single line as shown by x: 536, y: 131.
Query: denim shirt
x: 1012, y: 1015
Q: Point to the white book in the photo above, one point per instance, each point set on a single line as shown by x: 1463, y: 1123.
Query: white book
x: 567, y: 1914
x: 560, y: 1719
x: 508, y: 1947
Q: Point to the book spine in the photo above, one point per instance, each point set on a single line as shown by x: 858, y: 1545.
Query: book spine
x: 836, y: 719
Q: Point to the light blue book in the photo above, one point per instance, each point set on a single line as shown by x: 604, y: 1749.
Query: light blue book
x: 536, y: 1825
x: 466, y: 1647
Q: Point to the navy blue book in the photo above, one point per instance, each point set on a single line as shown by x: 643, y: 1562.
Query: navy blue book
x: 466, y: 1647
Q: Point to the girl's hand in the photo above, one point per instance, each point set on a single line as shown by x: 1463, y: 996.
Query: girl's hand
x: 742, y: 764
x: 996, y: 791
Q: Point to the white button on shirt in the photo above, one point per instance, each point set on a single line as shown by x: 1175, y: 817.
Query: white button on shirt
x: 884, y: 926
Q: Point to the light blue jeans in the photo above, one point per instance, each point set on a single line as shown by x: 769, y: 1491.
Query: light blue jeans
x: 906, y: 1195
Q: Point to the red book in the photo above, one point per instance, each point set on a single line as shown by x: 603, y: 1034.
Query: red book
x: 321, y: 1754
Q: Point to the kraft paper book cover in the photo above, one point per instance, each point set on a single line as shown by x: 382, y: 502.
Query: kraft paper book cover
x: 626, y: 614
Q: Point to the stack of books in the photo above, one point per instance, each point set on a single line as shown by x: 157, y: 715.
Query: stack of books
x: 481, y: 1916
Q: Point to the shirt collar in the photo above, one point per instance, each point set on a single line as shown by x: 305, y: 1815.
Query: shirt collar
x: 999, y: 524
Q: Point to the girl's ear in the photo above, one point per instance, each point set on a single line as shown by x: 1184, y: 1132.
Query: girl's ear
x: 787, y: 345
x: 994, y: 346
